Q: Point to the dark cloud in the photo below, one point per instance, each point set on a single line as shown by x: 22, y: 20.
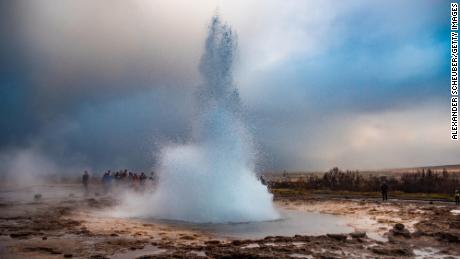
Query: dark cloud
x: 105, y: 84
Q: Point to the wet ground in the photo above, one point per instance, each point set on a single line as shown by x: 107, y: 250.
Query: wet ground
x: 62, y: 223
x: 292, y: 222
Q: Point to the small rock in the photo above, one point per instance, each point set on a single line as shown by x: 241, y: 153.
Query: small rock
x: 340, y: 237
x: 212, y: 242
x: 358, y: 234
x: 187, y: 237
x: 68, y: 255
x: 37, y: 196
x: 400, y: 230
x: 44, y: 238
x: 392, y: 251
x: 236, y: 242
x: 21, y: 235
x: 399, y: 226
x: 449, y: 237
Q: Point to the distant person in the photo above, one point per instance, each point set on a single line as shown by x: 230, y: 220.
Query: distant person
x: 142, y: 178
x: 384, y: 189
x: 107, y: 181
x: 85, y: 181
x: 457, y: 197
x: 262, y: 180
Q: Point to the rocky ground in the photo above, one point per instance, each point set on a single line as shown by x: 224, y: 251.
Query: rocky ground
x: 72, y: 226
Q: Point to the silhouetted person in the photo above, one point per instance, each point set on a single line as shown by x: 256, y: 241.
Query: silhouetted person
x: 142, y: 178
x: 457, y: 197
x: 262, y: 180
x: 384, y: 189
x: 107, y: 181
x: 85, y: 181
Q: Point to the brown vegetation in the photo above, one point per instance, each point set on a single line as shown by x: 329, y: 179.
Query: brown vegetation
x: 422, y: 181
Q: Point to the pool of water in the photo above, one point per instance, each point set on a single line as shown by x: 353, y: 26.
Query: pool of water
x: 292, y: 222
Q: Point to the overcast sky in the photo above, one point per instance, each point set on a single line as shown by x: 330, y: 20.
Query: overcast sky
x: 105, y: 84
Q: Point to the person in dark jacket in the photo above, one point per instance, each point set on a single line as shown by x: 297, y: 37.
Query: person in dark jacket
x: 384, y: 189
x: 457, y: 197
x: 85, y: 181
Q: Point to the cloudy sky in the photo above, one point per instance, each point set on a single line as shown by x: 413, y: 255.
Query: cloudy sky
x: 105, y: 84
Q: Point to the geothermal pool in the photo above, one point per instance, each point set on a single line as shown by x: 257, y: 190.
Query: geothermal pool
x: 292, y: 222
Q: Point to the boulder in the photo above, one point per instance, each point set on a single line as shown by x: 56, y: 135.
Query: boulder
x: 400, y: 230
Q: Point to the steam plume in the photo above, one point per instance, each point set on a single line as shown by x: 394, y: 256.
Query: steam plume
x: 212, y: 178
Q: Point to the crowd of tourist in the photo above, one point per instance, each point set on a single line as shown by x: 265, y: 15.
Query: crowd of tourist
x: 122, y: 178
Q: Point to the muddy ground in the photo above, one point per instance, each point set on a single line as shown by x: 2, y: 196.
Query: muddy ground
x: 72, y: 225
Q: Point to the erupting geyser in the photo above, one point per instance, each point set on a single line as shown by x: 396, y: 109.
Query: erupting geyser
x: 212, y: 179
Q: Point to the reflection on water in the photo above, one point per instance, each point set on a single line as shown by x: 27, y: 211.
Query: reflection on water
x: 292, y: 223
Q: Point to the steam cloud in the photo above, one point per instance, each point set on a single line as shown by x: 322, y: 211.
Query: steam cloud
x: 211, y: 179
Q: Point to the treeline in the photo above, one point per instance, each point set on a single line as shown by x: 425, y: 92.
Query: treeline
x: 423, y: 181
